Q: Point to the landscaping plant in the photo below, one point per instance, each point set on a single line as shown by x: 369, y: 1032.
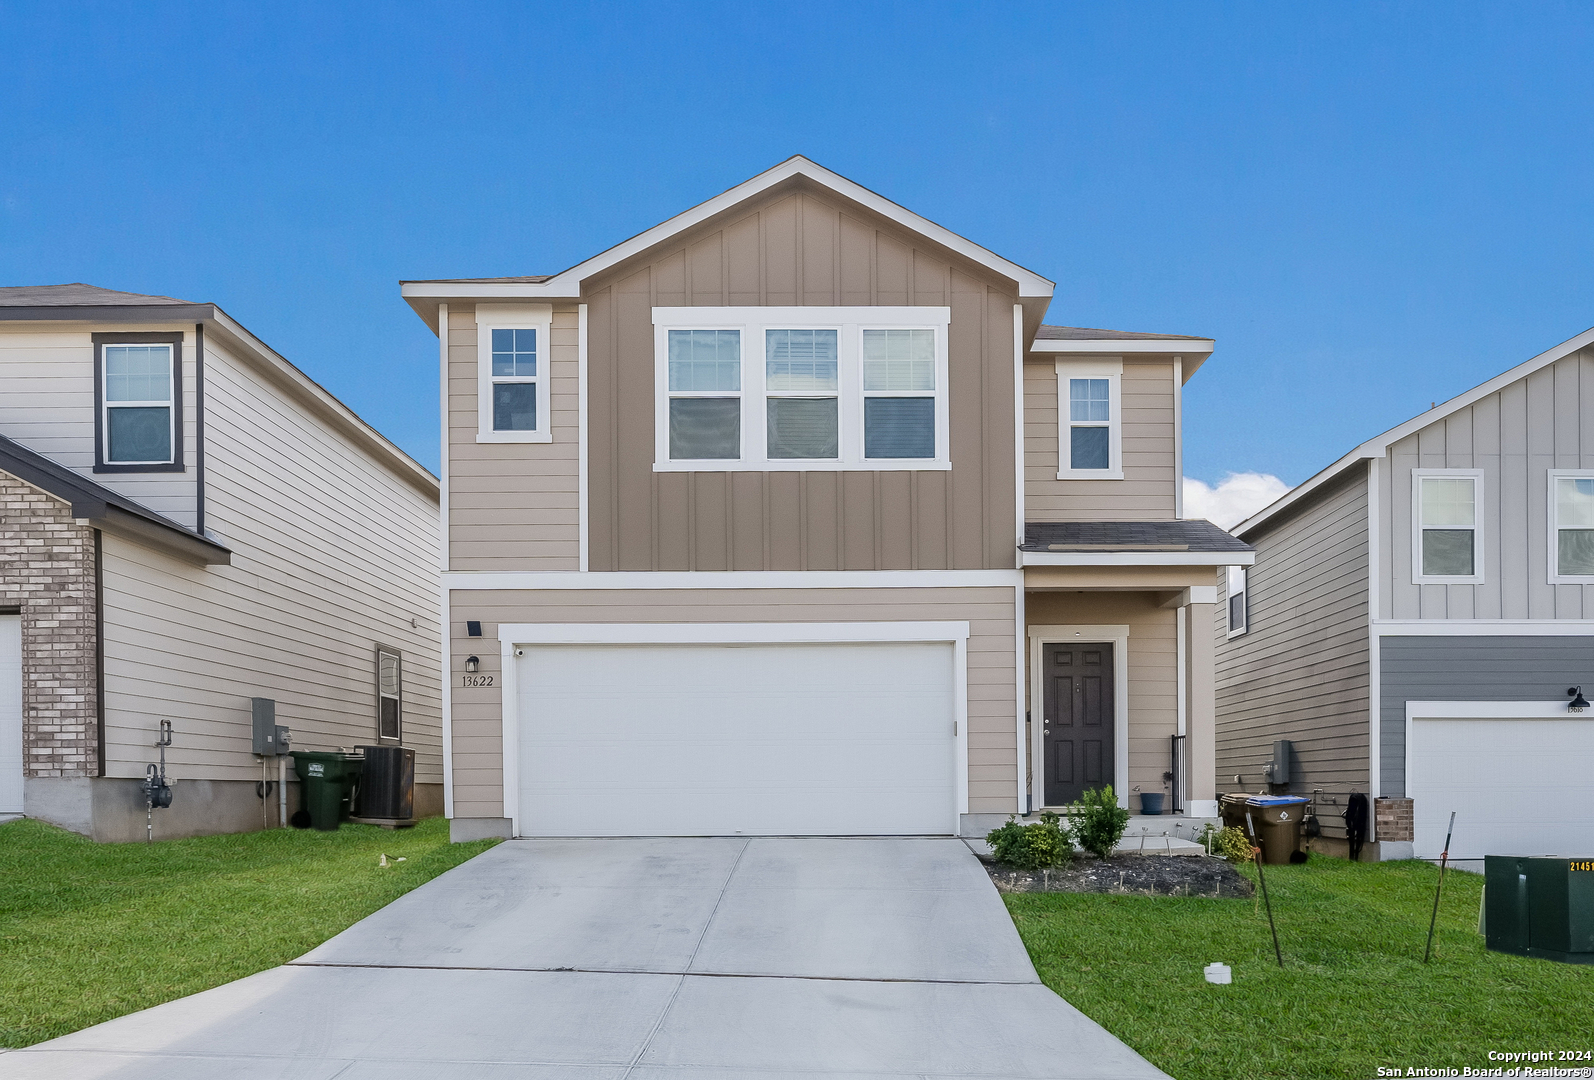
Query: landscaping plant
x: 1098, y: 822
x: 1031, y: 847
x: 1232, y: 844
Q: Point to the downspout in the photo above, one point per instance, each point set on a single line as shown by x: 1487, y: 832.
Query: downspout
x: 444, y: 610
x: 199, y: 428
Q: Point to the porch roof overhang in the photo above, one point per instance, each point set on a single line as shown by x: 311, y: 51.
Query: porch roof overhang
x: 1132, y: 543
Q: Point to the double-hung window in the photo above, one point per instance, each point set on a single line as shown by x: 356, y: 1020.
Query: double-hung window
x: 139, y: 384
x: 1239, y: 602
x: 1089, y: 412
x: 1571, y: 527
x: 1447, y: 548
x: 512, y: 353
x: 805, y: 388
x: 389, y: 694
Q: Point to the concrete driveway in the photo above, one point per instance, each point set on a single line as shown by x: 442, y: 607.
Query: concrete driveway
x: 639, y: 958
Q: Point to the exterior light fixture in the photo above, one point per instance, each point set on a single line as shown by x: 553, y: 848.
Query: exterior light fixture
x: 472, y: 663
x: 1578, y: 702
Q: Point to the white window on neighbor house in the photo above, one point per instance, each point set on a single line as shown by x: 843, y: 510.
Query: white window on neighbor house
x: 138, y: 419
x: 512, y: 373
x: 389, y: 695
x: 1238, y: 598
x: 787, y: 389
x: 1571, y: 527
x: 1090, y: 419
x: 1447, y: 545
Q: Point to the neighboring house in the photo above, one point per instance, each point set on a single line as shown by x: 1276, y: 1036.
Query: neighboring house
x: 188, y: 522
x: 1416, y: 615
x: 785, y: 515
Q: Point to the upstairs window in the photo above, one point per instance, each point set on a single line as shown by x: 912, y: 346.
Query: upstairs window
x: 1236, y: 591
x: 512, y: 366
x: 1089, y: 437
x: 139, y: 402
x: 808, y: 388
x: 1446, y: 547
x: 1571, y: 527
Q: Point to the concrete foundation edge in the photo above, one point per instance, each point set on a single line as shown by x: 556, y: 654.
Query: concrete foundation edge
x: 464, y: 830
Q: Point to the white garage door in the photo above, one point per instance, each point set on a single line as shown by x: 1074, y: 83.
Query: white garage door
x: 705, y: 740
x: 1518, y: 786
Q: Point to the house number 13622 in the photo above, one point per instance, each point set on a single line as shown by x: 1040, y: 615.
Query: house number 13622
x: 478, y: 680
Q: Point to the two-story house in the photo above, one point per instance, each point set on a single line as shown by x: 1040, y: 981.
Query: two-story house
x: 1420, y: 617
x: 789, y: 516
x: 187, y: 523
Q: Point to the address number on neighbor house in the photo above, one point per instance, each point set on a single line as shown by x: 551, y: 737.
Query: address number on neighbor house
x: 478, y: 680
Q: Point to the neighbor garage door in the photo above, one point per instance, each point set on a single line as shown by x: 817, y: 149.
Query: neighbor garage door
x: 763, y: 739
x: 1518, y: 786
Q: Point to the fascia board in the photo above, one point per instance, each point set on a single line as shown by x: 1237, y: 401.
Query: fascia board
x: 1116, y: 346
x: 1379, y: 447
x: 110, y: 313
x: 1139, y: 558
x: 171, y: 540
x: 567, y: 283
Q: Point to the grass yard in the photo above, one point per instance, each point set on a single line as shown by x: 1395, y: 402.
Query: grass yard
x: 1354, y: 994
x: 91, y: 931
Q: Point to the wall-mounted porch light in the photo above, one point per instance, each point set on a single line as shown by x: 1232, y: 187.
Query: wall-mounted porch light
x: 472, y: 663
x: 1578, y: 702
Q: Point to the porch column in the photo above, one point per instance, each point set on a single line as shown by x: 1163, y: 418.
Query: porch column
x: 1201, y: 703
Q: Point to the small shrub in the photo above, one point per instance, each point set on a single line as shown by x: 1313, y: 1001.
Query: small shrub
x: 1030, y: 847
x: 1098, y: 822
x: 1232, y: 844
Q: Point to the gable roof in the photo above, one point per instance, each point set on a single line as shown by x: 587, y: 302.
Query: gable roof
x: 1378, y: 446
x: 79, y: 301
x: 424, y: 296
x: 107, y: 510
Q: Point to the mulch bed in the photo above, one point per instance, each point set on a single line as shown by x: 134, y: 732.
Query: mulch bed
x: 1134, y: 875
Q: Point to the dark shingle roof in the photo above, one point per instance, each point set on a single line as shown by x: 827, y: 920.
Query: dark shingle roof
x: 1087, y: 333
x: 1106, y: 536
x: 78, y: 294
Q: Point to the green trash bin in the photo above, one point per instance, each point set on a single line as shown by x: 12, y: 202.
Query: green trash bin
x: 1540, y: 906
x: 327, y: 784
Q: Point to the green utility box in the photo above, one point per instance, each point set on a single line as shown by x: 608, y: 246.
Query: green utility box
x: 327, y: 785
x: 1540, y: 906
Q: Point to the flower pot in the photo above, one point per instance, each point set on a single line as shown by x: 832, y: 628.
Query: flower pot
x: 1151, y: 802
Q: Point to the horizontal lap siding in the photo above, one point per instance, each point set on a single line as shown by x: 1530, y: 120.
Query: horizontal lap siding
x: 1147, y: 490
x: 332, y: 555
x: 477, y: 713
x: 1301, y: 671
x: 791, y: 250
x: 1515, y: 436
x: 513, y: 506
x: 1153, y: 688
x: 47, y: 405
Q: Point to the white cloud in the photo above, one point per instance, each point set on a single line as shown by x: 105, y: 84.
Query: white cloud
x: 1237, y: 497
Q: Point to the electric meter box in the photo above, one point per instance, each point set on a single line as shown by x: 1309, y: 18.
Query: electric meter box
x: 270, y: 740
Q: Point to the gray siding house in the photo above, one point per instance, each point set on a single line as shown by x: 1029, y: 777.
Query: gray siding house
x: 1418, y: 617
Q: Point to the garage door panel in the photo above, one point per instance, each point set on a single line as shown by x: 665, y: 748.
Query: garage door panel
x: 1519, y: 786
x: 713, y: 740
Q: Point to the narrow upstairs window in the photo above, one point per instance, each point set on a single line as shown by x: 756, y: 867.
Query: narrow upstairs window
x: 801, y: 382
x: 1447, y: 515
x: 1574, y: 526
x: 514, y: 379
x: 899, y: 394
x: 138, y: 420
x: 705, y: 379
x: 1235, y: 590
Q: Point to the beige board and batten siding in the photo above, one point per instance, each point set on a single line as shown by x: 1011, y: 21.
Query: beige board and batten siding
x: 1301, y: 670
x: 47, y: 405
x: 1153, y: 679
x: 477, y: 715
x: 333, y: 553
x: 1147, y: 491
x: 513, y: 506
x: 1514, y: 436
x: 788, y: 249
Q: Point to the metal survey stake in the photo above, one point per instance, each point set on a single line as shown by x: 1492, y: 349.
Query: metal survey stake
x: 1444, y: 858
x: 1260, y: 876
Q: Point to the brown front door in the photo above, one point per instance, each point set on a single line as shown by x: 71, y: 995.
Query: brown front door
x: 1077, y: 684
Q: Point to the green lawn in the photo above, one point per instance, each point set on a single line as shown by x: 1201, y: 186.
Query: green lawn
x: 1354, y: 994
x: 92, y: 931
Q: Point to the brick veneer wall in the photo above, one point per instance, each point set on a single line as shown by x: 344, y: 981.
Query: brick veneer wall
x: 47, y: 569
x: 1393, y: 819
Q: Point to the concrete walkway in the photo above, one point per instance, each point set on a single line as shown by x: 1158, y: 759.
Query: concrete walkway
x: 644, y: 958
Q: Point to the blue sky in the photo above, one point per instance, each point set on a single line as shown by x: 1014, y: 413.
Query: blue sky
x: 1370, y: 206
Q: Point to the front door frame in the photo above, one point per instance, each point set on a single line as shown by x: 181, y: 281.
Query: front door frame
x: 1118, y: 637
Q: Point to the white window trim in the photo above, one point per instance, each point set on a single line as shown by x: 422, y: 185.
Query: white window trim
x: 1110, y: 368
x: 538, y: 317
x: 169, y: 404
x: 1229, y: 573
x: 1554, y: 555
x: 1417, y: 576
x: 850, y: 322
x: 382, y: 652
